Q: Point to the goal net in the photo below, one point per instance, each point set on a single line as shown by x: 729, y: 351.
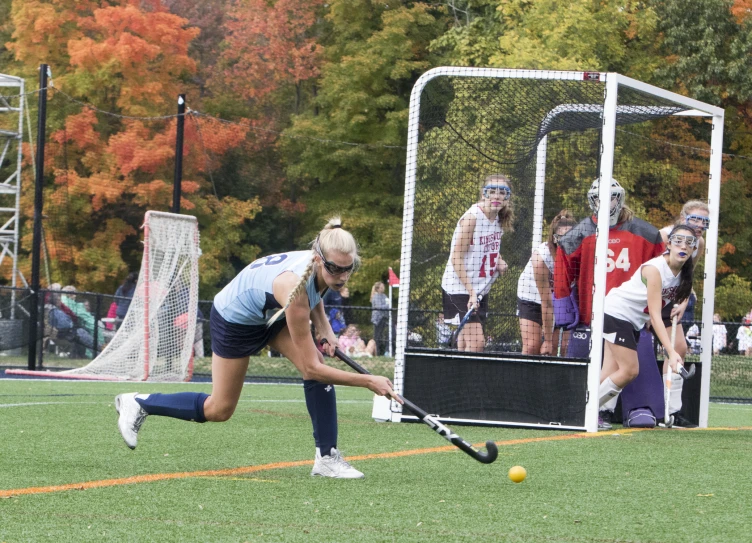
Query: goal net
x: 155, y: 340
x: 494, y: 157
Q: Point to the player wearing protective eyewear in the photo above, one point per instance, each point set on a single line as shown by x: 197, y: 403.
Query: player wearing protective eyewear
x: 331, y: 267
x: 501, y: 191
x: 698, y: 221
x: 681, y: 240
x: 695, y: 215
x: 290, y: 286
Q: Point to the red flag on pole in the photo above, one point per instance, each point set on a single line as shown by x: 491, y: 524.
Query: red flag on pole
x: 393, y: 279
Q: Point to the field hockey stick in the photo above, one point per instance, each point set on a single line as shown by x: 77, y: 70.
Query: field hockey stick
x: 683, y: 371
x: 667, y: 418
x: 430, y: 420
x: 680, y: 369
x: 463, y: 322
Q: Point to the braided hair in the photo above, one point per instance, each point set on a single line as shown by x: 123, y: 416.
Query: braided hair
x: 333, y: 238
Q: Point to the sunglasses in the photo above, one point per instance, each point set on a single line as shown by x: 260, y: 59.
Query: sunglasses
x: 497, y: 190
x: 698, y: 220
x: 677, y: 240
x: 333, y: 268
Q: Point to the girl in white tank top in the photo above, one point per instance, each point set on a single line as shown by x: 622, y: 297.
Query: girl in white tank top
x: 696, y: 215
x: 665, y: 279
x: 474, y: 259
x: 535, y: 291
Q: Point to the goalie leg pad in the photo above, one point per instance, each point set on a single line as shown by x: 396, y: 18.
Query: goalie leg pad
x: 675, y: 399
x: 579, y: 343
x: 646, y: 391
x: 642, y: 417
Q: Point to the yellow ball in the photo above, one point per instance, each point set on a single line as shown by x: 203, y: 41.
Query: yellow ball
x: 517, y: 474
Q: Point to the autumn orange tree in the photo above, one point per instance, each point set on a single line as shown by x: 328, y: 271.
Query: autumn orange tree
x: 129, y: 59
x: 266, y: 70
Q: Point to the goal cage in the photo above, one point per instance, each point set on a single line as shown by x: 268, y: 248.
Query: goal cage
x: 155, y: 340
x: 551, y: 133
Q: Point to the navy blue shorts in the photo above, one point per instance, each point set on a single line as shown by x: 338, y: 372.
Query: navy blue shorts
x: 230, y: 340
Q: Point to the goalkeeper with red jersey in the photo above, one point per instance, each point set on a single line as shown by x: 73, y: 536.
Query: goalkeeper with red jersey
x: 631, y: 243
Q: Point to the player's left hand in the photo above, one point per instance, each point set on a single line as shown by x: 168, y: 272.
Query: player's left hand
x: 501, y: 266
x: 331, y: 344
x: 674, y: 360
x: 678, y: 309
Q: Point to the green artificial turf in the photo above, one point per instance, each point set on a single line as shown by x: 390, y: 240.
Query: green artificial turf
x: 647, y: 486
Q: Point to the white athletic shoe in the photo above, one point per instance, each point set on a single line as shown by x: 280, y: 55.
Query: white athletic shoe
x: 334, y: 465
x: 132, y: 416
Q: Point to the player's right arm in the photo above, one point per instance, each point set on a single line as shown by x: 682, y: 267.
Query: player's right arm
x: 463, y: 240
x: 307, y: 360
x: 652, y: 277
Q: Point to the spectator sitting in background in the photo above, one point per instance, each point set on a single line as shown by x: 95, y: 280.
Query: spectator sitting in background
x: 84, y: 319
x: 693, y: 339
x: 111, y: 316
x: 719, y: 334
x: 443, y: 332
x: 352, y: 344
x: 125, y: 293
x: 56, y: 314
x: 336, y: 320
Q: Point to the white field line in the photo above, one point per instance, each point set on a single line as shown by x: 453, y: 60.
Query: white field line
x: 30, y: 404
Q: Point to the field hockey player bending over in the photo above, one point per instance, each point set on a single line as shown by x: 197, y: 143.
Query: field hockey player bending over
x: 290, y: 286
x: 666, y: 279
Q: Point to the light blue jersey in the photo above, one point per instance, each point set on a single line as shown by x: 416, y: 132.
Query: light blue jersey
x: 249, y: 296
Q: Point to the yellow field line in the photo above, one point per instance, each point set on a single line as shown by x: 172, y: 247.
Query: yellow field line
x: 137, y: 479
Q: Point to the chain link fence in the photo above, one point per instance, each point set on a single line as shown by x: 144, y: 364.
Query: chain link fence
x: 75, y: 327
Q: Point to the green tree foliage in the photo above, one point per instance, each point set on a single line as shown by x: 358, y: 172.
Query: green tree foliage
x: 374, y: 53
x: 733, y: 297
x: 318, y: 96
x: 105, y: 170
x: 544, y: 34
x: 707, y: 46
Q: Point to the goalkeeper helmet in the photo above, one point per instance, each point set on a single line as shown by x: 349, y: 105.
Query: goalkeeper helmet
x: 617, y: 199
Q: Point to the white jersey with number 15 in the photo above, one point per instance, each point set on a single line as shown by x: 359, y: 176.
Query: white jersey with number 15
x: 481, y: 258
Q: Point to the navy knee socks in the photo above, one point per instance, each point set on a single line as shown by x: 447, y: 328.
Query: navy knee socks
x: 321, y: 401
x: 183, y: 405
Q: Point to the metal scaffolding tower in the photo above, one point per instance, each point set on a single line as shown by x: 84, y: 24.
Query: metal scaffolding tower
x: 11, y: 138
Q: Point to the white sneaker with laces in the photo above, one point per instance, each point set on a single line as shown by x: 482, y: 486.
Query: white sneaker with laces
x: 334, y: 465
x: 132, y: 416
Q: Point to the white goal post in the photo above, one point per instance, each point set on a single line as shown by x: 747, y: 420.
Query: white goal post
x: 155, y: 340
x: 618, y: 97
